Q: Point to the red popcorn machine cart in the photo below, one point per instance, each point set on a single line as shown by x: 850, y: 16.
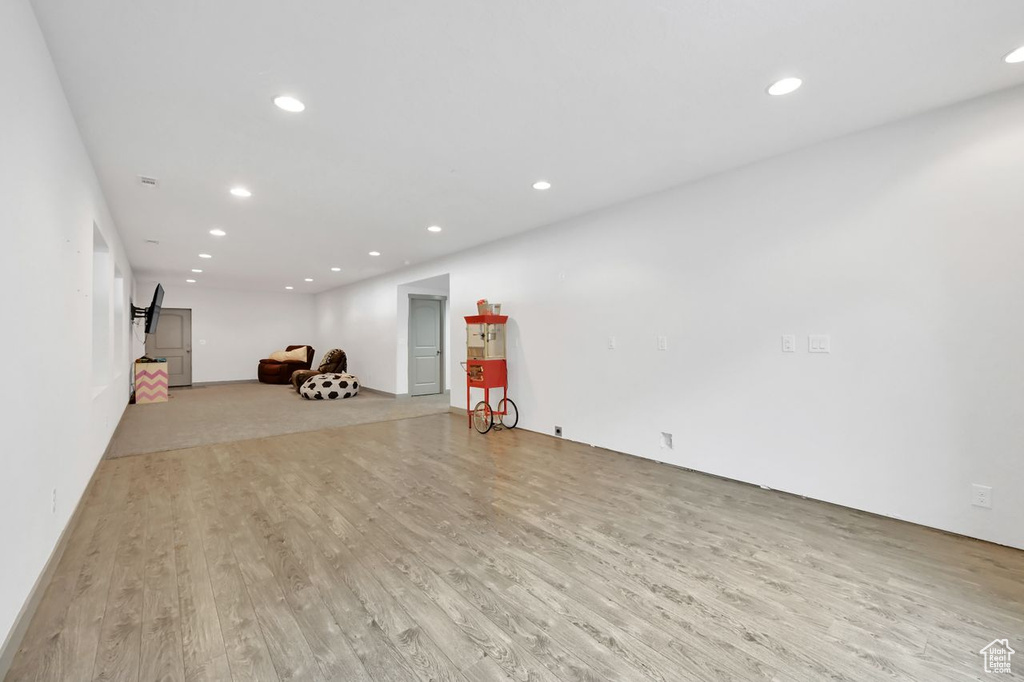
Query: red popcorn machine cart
x: 485, y: 368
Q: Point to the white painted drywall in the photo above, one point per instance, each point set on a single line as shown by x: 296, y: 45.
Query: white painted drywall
x: 233, y: 330
x: 55, y: 427
x: 362, y: 320
x: 371, y: 322
x: 904, y: 243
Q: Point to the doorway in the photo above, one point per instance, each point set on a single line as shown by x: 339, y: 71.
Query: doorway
x: 173, y: 340
x: 426, y: 344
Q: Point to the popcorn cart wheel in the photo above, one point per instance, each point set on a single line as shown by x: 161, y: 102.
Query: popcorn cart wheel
x: 486, y: 368
x: 482, y: 418
x: 508, y: 413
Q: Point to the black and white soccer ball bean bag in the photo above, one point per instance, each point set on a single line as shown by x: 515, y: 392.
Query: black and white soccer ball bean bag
x: 329, y: 387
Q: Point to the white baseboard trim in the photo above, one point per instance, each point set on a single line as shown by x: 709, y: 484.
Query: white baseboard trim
x: 384, y: 393
x: 227, y: 382
x: 13, y: 642
x: 397, y: 396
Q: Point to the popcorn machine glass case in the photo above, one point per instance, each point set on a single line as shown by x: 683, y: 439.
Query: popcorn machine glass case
x: 486, y: 369
x: 485, y: 340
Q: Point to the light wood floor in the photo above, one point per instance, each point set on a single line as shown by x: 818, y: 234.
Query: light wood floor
x: 417, y: 550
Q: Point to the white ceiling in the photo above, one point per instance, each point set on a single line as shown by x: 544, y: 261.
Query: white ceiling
x: 447, y: 111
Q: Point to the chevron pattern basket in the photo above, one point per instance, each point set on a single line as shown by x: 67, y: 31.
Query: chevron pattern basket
x: 150, y: 382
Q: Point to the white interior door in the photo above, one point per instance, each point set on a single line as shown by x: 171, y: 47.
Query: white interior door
x: 425, y: 320
x: 173, y: 340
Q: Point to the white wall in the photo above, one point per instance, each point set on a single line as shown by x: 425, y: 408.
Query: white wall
x: 903, y: 243
x: 233, y: 330
x: 49, y: 201
x: 362, y: 321
x: 370, y: 322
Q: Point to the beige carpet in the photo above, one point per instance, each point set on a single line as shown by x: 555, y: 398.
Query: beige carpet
x: 205, y: 415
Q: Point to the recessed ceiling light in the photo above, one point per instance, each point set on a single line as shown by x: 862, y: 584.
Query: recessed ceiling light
x: 784, y: 86
x: 241, y: 192
x: 542, y: 184
x: 289, y: 103
x: 335, y: 269
x: 205, y: 255
x: 309, y: 279
x: 375, y: 253
x: 196, y: 270
x: 190, y: 281
x: 1015, y: 57
x: 434, y: 228
x: 217, y: 232
x: 289, y: 288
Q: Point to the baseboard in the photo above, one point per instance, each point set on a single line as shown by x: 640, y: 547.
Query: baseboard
x: 201, y: 384
x: 461, y: 411
x: 377, y: 391
x: 13, y: 642
x: 396, y: 396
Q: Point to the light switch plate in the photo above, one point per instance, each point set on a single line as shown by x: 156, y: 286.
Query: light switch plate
x: 819, y: 343
x: 662, y: 343
x: 611, y: 343
x: 789, y: 343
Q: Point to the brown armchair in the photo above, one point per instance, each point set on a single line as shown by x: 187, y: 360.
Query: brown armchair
x: 334, y: 362
x: 274, y: 372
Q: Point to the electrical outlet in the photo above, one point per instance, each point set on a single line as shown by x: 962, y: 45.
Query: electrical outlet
x: 981, y: 496
x: 558, y: 431
x: 666, y: 441
x: 53, y: 502
x: 789, y: 343
x: 819, y: 343
x: 611, y: 343
x: 662, y: 343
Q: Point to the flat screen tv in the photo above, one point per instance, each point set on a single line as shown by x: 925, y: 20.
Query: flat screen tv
x: 152, y: 313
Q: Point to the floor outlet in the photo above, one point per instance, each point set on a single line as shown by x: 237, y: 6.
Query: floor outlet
x: 981, y: 496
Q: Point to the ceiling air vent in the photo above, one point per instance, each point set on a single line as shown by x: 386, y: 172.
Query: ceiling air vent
x: 147, y: 181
